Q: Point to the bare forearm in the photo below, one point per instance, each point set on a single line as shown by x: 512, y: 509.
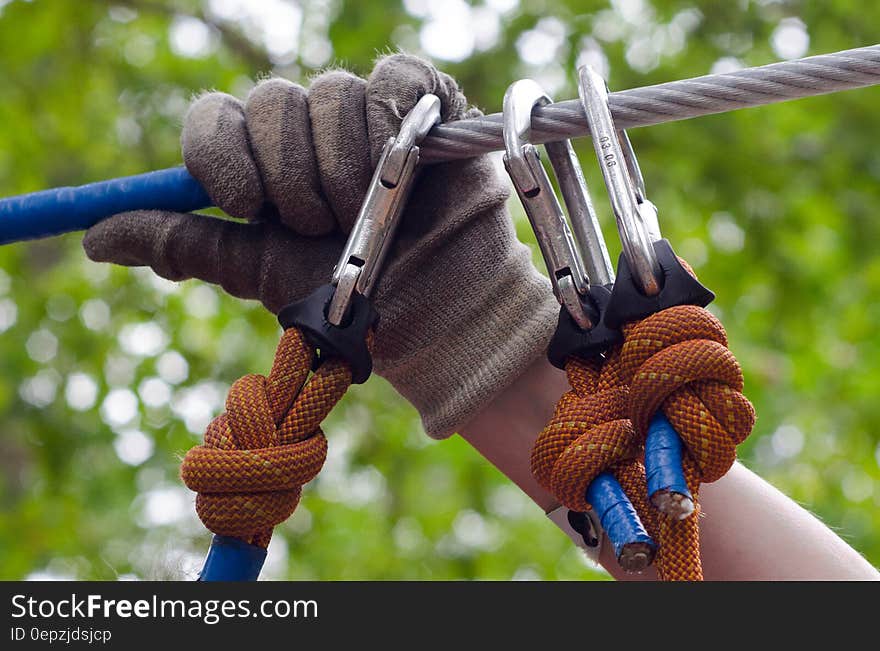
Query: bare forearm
x: 748, y: 530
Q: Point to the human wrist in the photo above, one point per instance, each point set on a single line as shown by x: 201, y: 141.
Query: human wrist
x: 505, y: 428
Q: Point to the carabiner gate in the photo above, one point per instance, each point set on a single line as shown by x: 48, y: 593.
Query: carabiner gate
x: 636, y: 216
x: 370, y: 239
x: 565, y: 265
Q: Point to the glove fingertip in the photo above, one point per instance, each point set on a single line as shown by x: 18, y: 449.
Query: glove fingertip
x: 398, y: 81
x: 408, y: 77
x: 277, y: 117
x: 216, y: 151
x: 337, y: 109
x: 93, y: 243
x: 126, y: 238
x: 454, y: 103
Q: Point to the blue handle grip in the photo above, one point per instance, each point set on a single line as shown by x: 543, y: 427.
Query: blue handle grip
x: 61, y: 210
x: 663, y: 452
x: 231, y: 559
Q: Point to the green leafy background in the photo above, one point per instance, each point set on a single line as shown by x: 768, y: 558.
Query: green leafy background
x: 108, y: 374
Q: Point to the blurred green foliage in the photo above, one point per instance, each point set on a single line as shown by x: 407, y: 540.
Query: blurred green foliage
x: 108, y: 375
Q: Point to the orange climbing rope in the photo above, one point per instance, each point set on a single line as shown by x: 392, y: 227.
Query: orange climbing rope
x: 268, y: 443
x: 676, y: 360
x: 257, y: 455
x: 590, y: 433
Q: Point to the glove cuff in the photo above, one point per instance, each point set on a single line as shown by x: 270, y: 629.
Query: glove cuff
x: 483, y: 348
x: 522, y: 327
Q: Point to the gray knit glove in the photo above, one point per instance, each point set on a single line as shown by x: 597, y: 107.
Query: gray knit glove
x: 462, y: 310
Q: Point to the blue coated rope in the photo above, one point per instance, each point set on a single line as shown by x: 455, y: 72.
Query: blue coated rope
x: 616, y: 513
x: 663, y: 454
x: 663, y: 470
x: 61, y: 210
x: 231, y: 559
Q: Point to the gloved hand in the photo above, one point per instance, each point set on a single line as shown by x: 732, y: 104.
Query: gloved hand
x: 462, y: 310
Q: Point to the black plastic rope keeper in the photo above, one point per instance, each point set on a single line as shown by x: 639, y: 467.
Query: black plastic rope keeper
x: 679, y: 287
x: 570, y: 339
x: 348, y: 340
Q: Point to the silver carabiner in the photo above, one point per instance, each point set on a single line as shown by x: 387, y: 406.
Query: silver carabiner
x: 570, y: 271
x: 368, y: 243
x: 636, y: 216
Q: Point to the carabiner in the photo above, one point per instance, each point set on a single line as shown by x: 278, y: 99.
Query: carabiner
x: 569, y: 275
x: 369, y: 241
x: 636, y: 216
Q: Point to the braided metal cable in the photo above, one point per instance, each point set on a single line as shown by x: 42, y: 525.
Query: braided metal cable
x: 675, y: 100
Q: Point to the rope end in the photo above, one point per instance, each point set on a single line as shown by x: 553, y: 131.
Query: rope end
x: 636, y: 557
x: 675, y: 505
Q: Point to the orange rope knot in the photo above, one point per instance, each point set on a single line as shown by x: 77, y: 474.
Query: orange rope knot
x: 677, y: 360
x: 268, y: 443
x: 590, y: 432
